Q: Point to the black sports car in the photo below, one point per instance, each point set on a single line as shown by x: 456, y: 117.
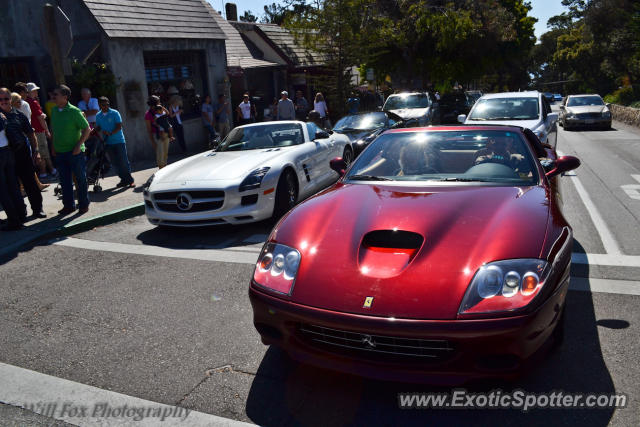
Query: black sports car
x: 362, y: 128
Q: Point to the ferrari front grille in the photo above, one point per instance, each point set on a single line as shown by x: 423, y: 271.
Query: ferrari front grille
x: 377, y: 346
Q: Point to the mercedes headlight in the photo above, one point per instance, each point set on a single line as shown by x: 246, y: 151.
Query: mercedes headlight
x: 606, y: 114
x: 253, y: 180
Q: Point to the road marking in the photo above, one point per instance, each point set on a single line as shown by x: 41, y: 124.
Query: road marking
x: 632, y: 190
x: 606, y: 259
x: 47, y: 395
x: 607, y: 286
x: 609, y: 242
x: 221, y: 255
x: 249, y: 254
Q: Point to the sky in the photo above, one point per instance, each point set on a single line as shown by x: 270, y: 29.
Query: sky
x: 542, y: 9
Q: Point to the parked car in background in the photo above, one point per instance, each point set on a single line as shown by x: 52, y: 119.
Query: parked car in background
x: 557, y: 97
x: 362, y: 128
x: 416, y: 105
x: 585, y: 110
x: 441, y: 256
x: 258, y: 171
x: 453, y: 104
x: 526, y: 109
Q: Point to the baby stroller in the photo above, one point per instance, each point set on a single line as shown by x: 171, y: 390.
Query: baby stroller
x: 98, y: 163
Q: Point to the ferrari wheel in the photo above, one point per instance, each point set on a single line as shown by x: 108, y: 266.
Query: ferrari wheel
x: 286, y: 194
x: 347, y: 155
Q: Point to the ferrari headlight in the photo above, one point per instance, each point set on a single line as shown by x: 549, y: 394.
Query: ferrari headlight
x: 504, y: 286
x: 277, y: 268
x: 253, y: 180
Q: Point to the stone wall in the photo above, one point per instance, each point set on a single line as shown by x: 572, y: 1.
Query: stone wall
x: 626, y: 115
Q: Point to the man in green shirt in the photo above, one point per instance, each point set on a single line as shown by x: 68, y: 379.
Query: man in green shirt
x: 70, y: 130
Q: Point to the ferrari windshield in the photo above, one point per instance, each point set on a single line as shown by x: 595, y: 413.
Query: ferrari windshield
x: 262, y: 136
x: 406, y: 100
x: 367, y: 121
x: 583, y: 101
x: 490, y: 156
x: 506, y: 109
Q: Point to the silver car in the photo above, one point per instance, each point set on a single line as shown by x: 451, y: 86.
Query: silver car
x: 525, y: 109
x: 585, y: 110
x: 419, y: 106
x: 259, y: 170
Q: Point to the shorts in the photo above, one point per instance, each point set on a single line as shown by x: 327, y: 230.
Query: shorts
x: 43, y: 145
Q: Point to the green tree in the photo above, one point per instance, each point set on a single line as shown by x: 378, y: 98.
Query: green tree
x: 248, y: 17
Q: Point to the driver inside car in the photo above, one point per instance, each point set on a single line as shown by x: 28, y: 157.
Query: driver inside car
x: 418, y: 159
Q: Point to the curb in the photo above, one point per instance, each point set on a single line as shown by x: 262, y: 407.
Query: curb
x: 77, y: 226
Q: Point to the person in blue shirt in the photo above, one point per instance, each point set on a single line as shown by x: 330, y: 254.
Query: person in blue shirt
x: 353, y: 103
x: 109, y: 125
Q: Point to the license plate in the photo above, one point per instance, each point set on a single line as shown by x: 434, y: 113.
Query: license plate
x: 589, y: 121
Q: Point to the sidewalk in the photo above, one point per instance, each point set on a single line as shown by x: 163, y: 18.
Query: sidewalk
x: 111, y: 205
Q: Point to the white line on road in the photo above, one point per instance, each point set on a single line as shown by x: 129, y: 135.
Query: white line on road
x: 606, y: 259
x: 221, y: 255
x: 609, y: 242
x: 607, y: 286
x: 46, y: 395
x: 248, y: 254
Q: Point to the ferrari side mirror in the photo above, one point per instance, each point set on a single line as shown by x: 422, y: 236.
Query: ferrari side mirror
x: 338, y: 165
x: 563, y: 164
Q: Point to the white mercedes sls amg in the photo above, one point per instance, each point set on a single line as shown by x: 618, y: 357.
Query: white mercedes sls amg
x: 259, y: 171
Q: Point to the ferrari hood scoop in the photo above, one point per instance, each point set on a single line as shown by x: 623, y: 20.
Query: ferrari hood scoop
x: 386, y: 253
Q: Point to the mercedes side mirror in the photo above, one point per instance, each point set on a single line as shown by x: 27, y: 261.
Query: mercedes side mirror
x: 462, y: 118
x: 563, y: 164
x: 321, y: 134
x: 338, y: 165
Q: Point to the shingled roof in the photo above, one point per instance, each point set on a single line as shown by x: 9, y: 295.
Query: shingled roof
x: 285, y: 42
x: 238, y: 54
x: 181, y: 19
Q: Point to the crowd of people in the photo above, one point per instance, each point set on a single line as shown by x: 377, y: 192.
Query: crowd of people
x: 37, y: 146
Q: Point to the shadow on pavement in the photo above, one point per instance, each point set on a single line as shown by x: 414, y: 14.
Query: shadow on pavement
x: 286, y: 392
x: 211, y: 237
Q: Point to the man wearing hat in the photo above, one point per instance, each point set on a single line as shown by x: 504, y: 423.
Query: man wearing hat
x: 286, y: 109
x: 39, y: 124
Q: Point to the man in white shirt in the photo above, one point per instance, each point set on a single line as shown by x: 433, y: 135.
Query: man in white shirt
x: 246, y: 111
x: 89, y: 106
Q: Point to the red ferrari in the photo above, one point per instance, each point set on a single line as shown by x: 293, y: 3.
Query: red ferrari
x: 440, y: 256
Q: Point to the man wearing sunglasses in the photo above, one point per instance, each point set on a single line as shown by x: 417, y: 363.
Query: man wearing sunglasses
x: 10, y: 196
x: 70, y: 130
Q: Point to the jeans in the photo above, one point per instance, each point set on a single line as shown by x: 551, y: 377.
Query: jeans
x: 69, y: 165
x: 211, y: 130
x: 118, y: 155
x: 10, y: 196
x: 178, y: 132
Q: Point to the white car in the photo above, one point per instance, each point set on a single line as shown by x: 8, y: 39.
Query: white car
x: 259, y: 170
x: 525, y: 109
x: 416, y: 105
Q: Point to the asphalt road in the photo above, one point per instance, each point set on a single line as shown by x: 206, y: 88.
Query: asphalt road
x: 163, y: 315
